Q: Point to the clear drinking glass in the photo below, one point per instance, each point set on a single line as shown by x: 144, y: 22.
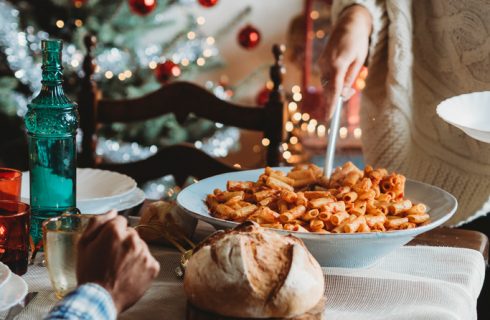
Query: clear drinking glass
x: 60, y: 239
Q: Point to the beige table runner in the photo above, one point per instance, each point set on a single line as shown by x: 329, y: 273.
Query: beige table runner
x: 411, y: 283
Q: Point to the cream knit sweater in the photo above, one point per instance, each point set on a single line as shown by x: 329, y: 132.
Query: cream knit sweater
x: 422, y: 52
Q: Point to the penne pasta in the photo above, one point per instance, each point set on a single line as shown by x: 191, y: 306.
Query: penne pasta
x: 338, y: 217
x: 311, y: 214
x: 292, y: 214
x: 353, y: 226
x: 352, y: 200
x: 320, y: 202
x: 239, y: 185
x: 243, y: 212
x: 278, y: 184
x: 419, y: 208
x: 227, y: 195
x: 316, y: 224
x: 288, y: 196
x: 418, y: 218
x: 349, y: 197
x: 399, y: 207
x: 394, y: 223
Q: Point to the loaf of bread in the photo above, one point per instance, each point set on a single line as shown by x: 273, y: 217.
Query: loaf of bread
x: 250, y: 272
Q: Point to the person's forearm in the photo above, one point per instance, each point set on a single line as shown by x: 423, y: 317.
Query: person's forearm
x: 359, y: 14
x: 88, y: 302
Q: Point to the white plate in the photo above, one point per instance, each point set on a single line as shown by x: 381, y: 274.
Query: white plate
x: 331, y: 250
x: 470, y: 112
x: 93, y: 185
x: 4, y: 274
x: 120, y: 204
x: 12, y: 292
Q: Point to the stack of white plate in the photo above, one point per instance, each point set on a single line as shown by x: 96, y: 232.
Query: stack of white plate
x: 99, y: 191
x: 12, y: 288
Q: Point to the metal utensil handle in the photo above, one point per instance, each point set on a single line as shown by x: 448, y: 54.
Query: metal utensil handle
x: 332, y: 137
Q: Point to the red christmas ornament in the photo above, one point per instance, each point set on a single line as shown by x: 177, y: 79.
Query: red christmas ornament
x: 167, y: 70
x: 207, y: 3
x: 142, y: 7
x: 79, y: 3
x: 263, y: 96
x: 249, y: 37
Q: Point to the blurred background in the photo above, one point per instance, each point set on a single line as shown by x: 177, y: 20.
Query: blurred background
x: 222, y: 45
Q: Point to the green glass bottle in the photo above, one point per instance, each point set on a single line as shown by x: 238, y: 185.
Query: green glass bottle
x: 51, y: 122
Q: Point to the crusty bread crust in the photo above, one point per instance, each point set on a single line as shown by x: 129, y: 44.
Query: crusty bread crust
x: 251, y: 272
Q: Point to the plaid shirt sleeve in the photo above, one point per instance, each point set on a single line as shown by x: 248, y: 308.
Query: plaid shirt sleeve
x: 87, y: 302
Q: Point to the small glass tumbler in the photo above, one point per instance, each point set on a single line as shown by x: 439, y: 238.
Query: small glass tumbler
x: 10, y: 183
x: 14, y: 235
x: 60, y: 238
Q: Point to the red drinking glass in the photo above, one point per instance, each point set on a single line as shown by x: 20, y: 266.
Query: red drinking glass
x: 10, y: 182
x: 14, y: 235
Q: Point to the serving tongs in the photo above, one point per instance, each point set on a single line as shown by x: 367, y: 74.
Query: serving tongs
x: 332, y: 136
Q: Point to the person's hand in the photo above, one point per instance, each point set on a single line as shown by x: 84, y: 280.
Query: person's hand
x: 113, y: 256
x: 345, y: 53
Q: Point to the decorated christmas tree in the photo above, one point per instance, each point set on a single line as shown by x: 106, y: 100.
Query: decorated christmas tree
x: 141, y: 45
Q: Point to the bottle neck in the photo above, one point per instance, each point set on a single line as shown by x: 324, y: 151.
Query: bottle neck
x: 52, y: 75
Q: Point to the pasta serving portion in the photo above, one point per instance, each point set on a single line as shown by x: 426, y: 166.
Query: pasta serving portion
x: 352, y: 200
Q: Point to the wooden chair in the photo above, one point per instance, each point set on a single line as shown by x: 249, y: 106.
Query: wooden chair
x: 181, y: 99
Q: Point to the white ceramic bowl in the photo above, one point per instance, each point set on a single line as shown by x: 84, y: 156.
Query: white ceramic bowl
x: 470, y: 112
x: 331, y: 250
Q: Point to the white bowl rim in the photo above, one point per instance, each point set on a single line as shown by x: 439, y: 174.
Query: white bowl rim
x: 444, y: 105
x: 321, y: 236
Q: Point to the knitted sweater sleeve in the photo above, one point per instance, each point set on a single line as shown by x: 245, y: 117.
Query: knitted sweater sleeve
x: 377, y: 9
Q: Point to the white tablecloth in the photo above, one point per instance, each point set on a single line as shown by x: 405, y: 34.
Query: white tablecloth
x: 411, y: 283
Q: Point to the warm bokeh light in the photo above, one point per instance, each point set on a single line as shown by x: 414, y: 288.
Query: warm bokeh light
x: 200, y: 61
x: 314, y: 14
x: 321, y: 130
x: 343, y: 132
x: 297, y: 96
x: 296, y: 117
x: 152, y: 65
x: 357, y: 133
x: 201, y: 20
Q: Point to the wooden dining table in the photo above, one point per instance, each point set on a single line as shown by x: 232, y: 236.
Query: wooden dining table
x: 457, y: 238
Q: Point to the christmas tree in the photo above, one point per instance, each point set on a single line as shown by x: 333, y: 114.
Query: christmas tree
x: 141, y: 44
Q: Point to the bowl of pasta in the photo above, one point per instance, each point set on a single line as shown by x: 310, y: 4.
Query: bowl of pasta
x: 350, y: 220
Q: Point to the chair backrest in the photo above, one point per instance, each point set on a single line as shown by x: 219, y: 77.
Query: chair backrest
x: 181, y: 99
